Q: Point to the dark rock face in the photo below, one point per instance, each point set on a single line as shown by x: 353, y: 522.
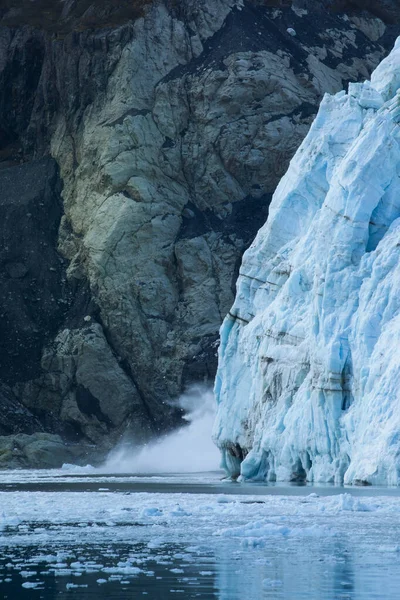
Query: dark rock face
x: 140, y: 144
x: 61, y: 17
x: 15, y: 418
x: 387, y: 10
x: 34, y: 295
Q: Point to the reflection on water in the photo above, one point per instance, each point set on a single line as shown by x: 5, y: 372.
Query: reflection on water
x: 106, y: 573
x: 322, y: 569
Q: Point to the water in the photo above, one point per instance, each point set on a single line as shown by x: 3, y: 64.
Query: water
x: 158, y: 581
x: 87, y: 535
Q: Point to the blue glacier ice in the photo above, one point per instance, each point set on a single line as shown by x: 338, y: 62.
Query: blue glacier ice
x: 308, y: 384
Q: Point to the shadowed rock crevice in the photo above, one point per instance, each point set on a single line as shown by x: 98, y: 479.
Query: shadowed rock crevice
x: 34, y: 294
x: 89, y: 404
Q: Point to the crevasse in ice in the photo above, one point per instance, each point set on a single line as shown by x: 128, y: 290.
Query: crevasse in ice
x: 308, y: 384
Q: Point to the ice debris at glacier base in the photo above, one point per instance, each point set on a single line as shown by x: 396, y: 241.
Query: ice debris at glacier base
x: 308, y: 384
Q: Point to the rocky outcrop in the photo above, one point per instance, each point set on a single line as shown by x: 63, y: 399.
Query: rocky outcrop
x: 171, y: 126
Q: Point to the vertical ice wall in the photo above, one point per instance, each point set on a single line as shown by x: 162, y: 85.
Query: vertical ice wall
x: 308, y: 384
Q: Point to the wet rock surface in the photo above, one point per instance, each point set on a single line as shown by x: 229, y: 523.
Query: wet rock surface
x: 138, y: 155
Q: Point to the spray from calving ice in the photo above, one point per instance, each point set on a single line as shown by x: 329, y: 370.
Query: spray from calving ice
x: 187, y: 450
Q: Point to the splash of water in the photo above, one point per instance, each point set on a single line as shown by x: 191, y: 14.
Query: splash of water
x: 188, y: 450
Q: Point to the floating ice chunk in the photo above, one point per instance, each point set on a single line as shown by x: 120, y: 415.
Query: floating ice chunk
x: 151, y: 512
x: 123, y: 570
x: 351, y: 503
x: 224, y: 500
x: 179, y: 512
x: 271, y: 583
x: 258, y: 529
x: 31, y: 584
x: 77, y: 469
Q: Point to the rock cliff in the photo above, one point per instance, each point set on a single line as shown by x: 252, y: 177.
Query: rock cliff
x: 140, y: 146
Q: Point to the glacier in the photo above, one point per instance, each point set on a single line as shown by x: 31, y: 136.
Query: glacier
x: 308, y: 382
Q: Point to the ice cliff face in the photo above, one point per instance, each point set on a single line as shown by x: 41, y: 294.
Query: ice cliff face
x: 309, y: 369
x: 146, y: 138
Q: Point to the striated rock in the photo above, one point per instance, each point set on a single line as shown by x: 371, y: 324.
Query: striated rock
x: 373, y: 28
x: 84, y: 391
x: 171, y: 124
